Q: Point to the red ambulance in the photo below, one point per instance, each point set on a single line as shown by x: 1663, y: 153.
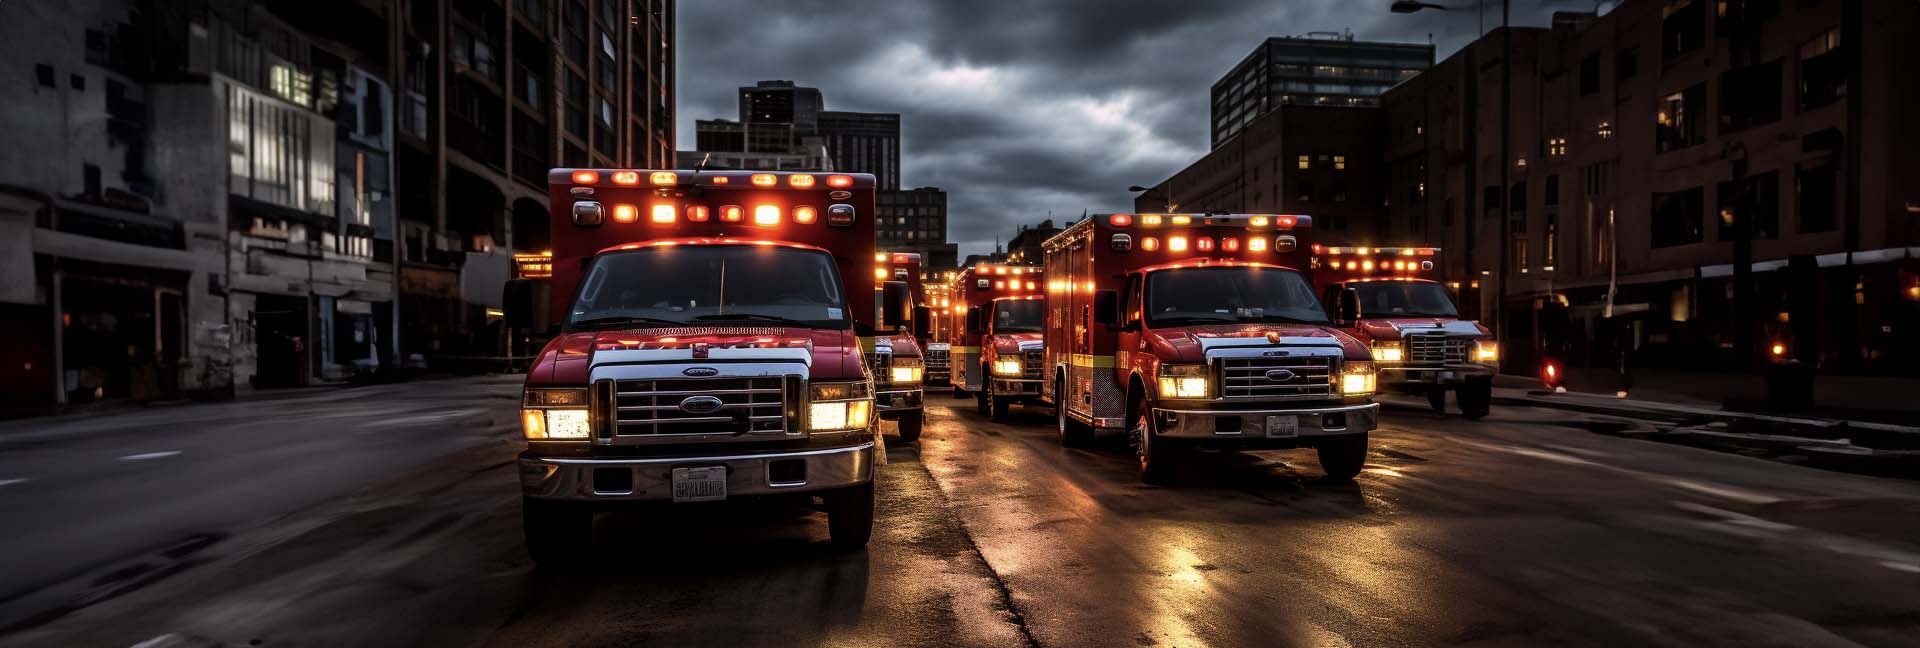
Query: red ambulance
x: 997, y: 347
x: 899, y: 365
x: 1420, y: 344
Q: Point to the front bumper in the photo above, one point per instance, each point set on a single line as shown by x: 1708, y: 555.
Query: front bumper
x: 1016, y: 389
x: 893, y: 402
x: 1452, y: 374
x: 651, y: 479
x: 1250, y: 426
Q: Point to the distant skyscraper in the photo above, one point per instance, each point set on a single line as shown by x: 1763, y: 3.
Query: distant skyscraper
x: 778, y: 105
x: 1336, y: 71
x: 864, y: 143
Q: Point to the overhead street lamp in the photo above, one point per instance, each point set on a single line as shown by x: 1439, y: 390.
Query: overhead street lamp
x: 1167, y: 201
x: 1506, y: 151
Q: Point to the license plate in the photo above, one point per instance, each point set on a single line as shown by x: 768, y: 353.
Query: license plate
x: 699, y: 484
x: 1283, y: 426
x: 1446, y: 376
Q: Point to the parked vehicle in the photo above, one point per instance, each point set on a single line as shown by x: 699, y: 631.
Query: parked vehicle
x: 997, y: 350
x: 708, y: 347
x: 896, y: 356
x: 1190, y: 330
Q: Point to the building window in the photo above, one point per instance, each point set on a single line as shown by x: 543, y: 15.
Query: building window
x: 470, y: 47
x: 1520, y: 260
x: 44, y: 73
x: 1556, y: 147
x: 1683, y: 27
x: 1677, y: 124
x: 1816, y: 193
x: 1340, y: 162
x: 1676, y: 217
x: 1823, y: 73
x: 1757, y: 199
x: 1603, y: 130
x: 1749, y: 97
x: 1590, y: 74
x: 1626, y: 63
x: 1305, y: 162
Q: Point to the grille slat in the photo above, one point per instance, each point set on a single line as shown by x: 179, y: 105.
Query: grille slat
x: 1435, y: 350
x: 653, y: 407
x: 1032, y: 362
x: 1246, y: 378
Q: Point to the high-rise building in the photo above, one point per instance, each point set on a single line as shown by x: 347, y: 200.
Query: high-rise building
x: 864, y: 143
x: 1314, y: 70
x: 1315, y: 160
x: 915, y: 220
x: 783, y: 106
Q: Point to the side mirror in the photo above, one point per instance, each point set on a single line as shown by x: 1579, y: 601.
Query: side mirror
x: 1106, y: 307
x: 523, y: 303
x: 977, y: 321
x: 922, y: 321
x: 895, y: 304
x: 1349, y: 307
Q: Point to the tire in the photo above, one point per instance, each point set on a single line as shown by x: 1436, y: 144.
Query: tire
x: 850, y: 516
x: 910, y: 425
x: 557, y: 533
x: 1476, y: 398
x: 1156, y: 460
x: 1073, y: 434
x: 1437, y: 399
x: 1343, y: 458
x: 999, y: 408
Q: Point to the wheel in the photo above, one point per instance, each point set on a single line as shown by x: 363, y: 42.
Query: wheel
x: 999, y: 407
x: 1437, y: 399
x: 1156, y: 460
x: 556, y: 532
x: 910, y: 425
x: 1476, y: 398
x: 1343, y: 458
x: 850, y: 516
x: 1073, y: 433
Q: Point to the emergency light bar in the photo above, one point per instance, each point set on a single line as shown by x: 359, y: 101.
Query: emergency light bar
x: 1369, y: 260
x: 1206, y: 233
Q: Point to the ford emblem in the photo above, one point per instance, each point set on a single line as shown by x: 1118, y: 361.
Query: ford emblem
x: 700, y: 404
x: 700, y: 372
x: 1280, y: 375
x: 839, y: 194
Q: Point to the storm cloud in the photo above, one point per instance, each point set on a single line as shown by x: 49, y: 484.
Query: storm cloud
x: 1021, y: 107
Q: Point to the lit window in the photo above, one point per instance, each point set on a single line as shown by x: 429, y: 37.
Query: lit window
x: 1305, y: 162
x: 1340, y: 162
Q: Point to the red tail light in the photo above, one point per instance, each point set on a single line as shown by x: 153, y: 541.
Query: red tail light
x: 698, y: 213
x: 1230, y: 244
x: 626, y: 178
x: 764, y: 180
x: 625, y: 213
x: 1120, y: 220
x: 586, y: 177
x: 839, y: 181
x: 1203, y: 244
x: 731, y: 214
x: 805, y: 215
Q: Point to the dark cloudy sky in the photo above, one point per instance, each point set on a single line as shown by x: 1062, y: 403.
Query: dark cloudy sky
x: 1017, y: 107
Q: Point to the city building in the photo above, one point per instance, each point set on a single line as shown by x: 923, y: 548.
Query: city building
x: 1320, y: 69
x: 1316, y: 160
x: 915, y: 220
x: 1695, y: 183
x: 809, y: 158
x: 783, y: 106
x: 864, y: 143
x: 1025, y: 246
x: 207, y: 197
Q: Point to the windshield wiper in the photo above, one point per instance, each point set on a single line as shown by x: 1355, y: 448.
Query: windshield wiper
x: 725, y: 317
x: 622, y: 320
x: 1171, y: 319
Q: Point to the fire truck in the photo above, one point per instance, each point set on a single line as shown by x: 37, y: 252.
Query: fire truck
x: 1419, y: 342
x: 710, y: 327
x: 1191, y: 330
x: 937, y: 296
x: 997, y: 350
x: 899, y: 366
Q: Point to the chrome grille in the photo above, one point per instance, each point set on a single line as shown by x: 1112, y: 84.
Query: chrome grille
x: 936, y: 359
x: 653, y: 407
x: 1031, y: 363
x: 1427, y: 349
x: 1247, y: 378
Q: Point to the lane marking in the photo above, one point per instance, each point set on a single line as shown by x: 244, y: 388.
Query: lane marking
x: 1722, y: 491
x: 10, y: 482
x: 146, y: 456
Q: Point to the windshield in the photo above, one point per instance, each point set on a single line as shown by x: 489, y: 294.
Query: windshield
x: 1403, y: 298
x: 1021, y: 316
x: 702, y: 284
x: 1230, y: 294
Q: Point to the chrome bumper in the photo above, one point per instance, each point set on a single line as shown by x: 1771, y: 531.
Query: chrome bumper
x: 572, y: 478
x: 1445, y: 375
x: 1016, y: 388
x: 1310, y: 423
x: 895, y: 401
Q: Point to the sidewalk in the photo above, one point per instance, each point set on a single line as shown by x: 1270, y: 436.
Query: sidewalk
x: 1678, y: 406
x: 1882, y: 399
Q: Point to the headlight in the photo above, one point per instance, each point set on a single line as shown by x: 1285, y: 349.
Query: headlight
x: 1006, y: 367
x: 1356, y: 378
x: 556, y: 415
x: 849, y: 407
x: 1388, y: 351
x: 907, y: 375
x: 1486, y: 351
x: 1183, y: 381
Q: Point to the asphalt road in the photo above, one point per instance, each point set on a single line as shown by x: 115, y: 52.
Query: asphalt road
x: 1526, y: 529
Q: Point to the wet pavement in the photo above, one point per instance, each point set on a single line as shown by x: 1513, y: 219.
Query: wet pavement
x: 1525, y: 529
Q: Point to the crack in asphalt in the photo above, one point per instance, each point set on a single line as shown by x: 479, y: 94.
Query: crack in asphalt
x: 1000, y: 586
